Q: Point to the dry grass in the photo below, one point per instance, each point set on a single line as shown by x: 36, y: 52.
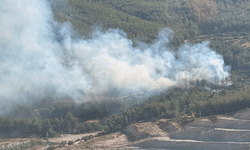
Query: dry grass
x: 151, y: 128
x: 111, y: 141
x: 69, y: 137
x: 247, y: 44
x: 14, y: 142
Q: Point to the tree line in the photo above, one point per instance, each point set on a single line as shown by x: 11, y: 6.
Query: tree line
x: 193, y: 20
x: 143, y: 19
x: 68, y: 118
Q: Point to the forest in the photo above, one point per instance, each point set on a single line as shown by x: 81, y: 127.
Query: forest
x: 224, y: 23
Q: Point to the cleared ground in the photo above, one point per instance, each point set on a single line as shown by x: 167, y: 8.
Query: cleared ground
x: 220, y: 133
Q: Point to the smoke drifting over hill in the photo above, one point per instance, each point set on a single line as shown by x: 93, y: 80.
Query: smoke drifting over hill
x: 38, y: 58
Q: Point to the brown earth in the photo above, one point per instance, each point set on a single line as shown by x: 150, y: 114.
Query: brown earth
x: 150, y: 127
x: 247, y: 44
x: 220, y: 133
x: 8, y: 143
x: 223, y: 133
x: 112, y: 141
x: 69, y: 137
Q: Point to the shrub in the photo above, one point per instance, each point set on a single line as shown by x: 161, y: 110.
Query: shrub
x: 71, y: 142
x: 62, y: 144
x: 51, y: 148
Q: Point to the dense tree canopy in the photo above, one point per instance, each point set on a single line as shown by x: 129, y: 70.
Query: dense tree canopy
x: 224, y: 23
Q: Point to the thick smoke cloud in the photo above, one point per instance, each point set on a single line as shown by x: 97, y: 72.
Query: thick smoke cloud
x: 38, y: 58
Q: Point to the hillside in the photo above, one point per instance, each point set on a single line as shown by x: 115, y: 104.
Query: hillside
x: 192, y: 21
x: 143, y: 19
x: 217, y: 132
x: 220, y: 132
x: 95, y: 84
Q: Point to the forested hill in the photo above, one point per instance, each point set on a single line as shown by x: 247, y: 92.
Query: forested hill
x: 225, y: 23
x: 144, y: 18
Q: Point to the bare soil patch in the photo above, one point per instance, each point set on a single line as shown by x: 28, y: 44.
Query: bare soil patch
x: 8, y: 143
x: 225, y: 132
x: 150, y: 127
x: 247, y: 44
x: 168, y: 126
x: 69, y: 137
x: 112, y: 141
x: 133, y: 134
x: 243, y: 114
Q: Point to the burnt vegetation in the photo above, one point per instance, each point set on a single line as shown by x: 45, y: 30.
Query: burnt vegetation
x: 227, y: 31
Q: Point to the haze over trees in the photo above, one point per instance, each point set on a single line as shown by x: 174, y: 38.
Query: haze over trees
x: 191, y: 20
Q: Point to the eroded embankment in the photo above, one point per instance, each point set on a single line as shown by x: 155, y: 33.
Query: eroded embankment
x: 222, y: 133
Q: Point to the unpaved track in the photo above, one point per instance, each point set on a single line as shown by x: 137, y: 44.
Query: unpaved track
x: 195, y: 141
x: 226, y: 133
x: 222, y: 133
x: 51, y: 141
x: 112, y: 141
x: 69, y: 137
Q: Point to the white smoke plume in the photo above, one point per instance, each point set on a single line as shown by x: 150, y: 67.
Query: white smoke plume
x: 38, y: 58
